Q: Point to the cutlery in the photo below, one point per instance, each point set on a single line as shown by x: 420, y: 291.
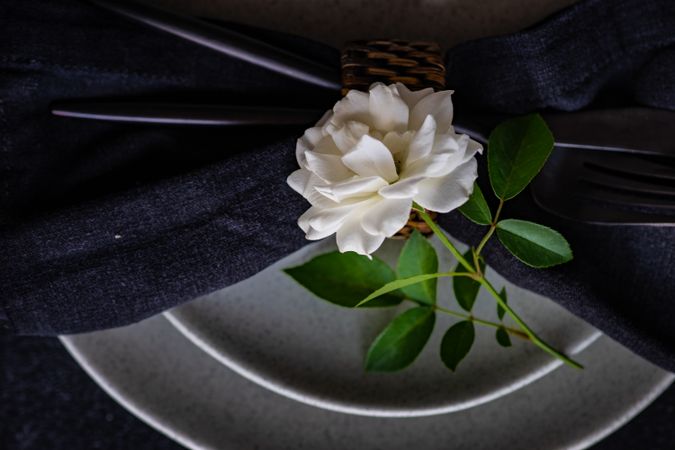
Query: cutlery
x: 184, y: 113
x: 614, y: 166
x: 229, y: 42
x: 608, y: 188
x: 605, y: 130
x: 591, y: 130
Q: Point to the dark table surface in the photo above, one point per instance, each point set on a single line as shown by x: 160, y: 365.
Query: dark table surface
x: 47, y: 402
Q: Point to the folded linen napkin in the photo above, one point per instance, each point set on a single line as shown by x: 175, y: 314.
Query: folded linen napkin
x: 105, y: 224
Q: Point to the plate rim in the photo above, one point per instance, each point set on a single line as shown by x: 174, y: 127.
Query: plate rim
x: 145, y: 414
x: 342, y: 407
x: 190, y: 328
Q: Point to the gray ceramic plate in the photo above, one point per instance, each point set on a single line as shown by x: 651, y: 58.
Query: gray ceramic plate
x: 163, y: 379
x: 274, y: 332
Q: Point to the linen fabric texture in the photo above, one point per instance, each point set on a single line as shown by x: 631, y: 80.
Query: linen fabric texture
x: 104, y: 224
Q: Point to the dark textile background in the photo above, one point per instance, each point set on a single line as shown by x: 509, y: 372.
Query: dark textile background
x: 105, y: 224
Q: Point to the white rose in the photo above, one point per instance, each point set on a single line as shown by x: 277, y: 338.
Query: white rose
x: 367, y: 160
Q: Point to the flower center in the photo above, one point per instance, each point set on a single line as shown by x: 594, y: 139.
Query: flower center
x: 398, y: 163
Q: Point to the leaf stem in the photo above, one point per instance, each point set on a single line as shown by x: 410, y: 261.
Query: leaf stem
x: 443, y: 238
x: 403, y: 282
x: 493, y: 227
x: 472, y: 318
x: 533, y: 336
x: 476, y: 262
x: 482, y: 280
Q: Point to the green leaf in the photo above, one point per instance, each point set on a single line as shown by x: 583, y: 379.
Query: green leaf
x: 503, y: 337
x: 346, y: 278
x: 403, y: 339
x: 517, y: 150
x: 398, y: 284
x: 501, y: 311
x: 465, y: 288
x: 418, y: 257
x: 533, y: 244
x: 456, y: 343
x: 476, y: 208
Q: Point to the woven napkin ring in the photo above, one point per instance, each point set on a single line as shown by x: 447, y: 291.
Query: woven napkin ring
x: 417, y: 64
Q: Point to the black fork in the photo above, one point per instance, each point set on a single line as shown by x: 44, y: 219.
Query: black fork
x: 608, y: 187
x: 614, y: 166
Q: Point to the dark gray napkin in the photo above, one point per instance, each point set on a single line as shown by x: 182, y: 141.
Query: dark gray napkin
x: 105, y: 224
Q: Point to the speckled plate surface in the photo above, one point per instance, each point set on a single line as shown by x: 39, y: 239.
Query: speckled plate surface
x: 277, y: 334
x: 162, y: 378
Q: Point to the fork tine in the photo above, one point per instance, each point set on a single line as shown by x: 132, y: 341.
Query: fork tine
x: 183, y: 114
x: 597, y: 175
x: 637, y: 130
x: 633, y: 166
x: 228, y: 42
x: 598, y: 191
x: 590, y: 187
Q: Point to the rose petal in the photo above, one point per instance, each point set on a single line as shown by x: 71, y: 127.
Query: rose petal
x: 313, y: 135
x: 423, y: 141
x: 298, y: 180
x: 303, y: 182
x: 436, y: 165
x: 443, y: 194
x: 324, y: 119
x: 355, y: 187
x: 438, y: 105
x: 303, y: 220
x: 312, y: 233
x: 449, y: 151
x: 347, y: 136
x: 412, y: 97
x: 351, y: 237
x: 461, y: 143
x: 371, y: 157
x: 319, y: 200
x: 403, y: 188
x: 367, y: 159
x: 301, y: 147
x: 326, y: 146
x: 330, y: 219
x: 355, y: 106
x: 472, y: 148
x: 387, y: 216
x: 317, y: 142
x: 388, y: 111
x: 322, y: 219
x: 398, y: 143
x: 328, y: 167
